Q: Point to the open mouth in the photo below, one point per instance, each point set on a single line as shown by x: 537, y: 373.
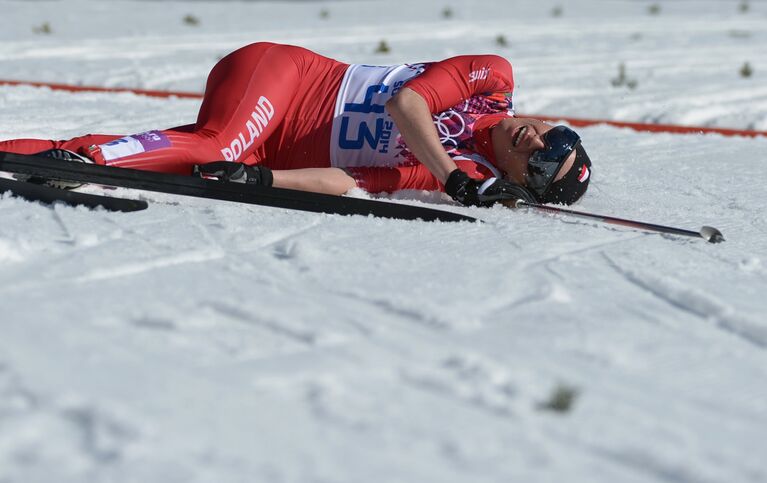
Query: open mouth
x: 518, y: 136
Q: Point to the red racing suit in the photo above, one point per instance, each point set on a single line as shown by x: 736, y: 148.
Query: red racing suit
x: 287, y: 108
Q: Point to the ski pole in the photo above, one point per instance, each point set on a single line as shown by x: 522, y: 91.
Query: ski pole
x: 708, y: 233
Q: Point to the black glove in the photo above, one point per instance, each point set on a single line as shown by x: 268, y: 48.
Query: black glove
x: 235, y: 173
x: 471, y: 192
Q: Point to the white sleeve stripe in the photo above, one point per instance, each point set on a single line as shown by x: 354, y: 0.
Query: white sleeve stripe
x: 486, y: 185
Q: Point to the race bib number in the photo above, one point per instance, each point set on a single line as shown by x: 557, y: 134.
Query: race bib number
x: 363, y: 133
x: 134, y: 144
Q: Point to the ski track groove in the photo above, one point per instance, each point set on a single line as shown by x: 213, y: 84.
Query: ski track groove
x: 284, y: 236
x: 382, y: 304
x: 139, y: 267
x: 582, y: 249
x: 283, y: 254
x: 15, y: 397
x: 388, y: 307
x: 639, y: 460
x: 205, y: 254
x: 100, y: 436
x: 408, y: 319
x: 63, y: 225
x: 467, y: 380
x: 206, y: 232
x: 542, y: 292
x: 490, y: 389
x: 695, y: 302
x: 305, y: 337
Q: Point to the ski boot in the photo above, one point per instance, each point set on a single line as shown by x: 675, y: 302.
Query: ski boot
x: 60, y: 154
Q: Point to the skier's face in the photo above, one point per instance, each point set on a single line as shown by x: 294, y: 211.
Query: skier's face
x: 514, y: 140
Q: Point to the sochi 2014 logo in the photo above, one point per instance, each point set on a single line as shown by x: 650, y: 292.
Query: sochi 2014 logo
x: 451, y: 126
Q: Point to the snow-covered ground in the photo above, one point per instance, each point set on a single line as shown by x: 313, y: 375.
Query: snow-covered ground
x: 202, y: 341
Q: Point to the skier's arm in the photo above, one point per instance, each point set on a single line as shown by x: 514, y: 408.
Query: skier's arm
x: 331, y: 181
x: 412, y: 116
x: 443, y: 85
x: 446, y: 83
x: 417, y: 177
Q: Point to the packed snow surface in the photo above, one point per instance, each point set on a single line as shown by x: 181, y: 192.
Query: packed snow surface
x: 203, y: 341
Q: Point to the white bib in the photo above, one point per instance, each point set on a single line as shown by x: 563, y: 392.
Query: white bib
x: 363, y: 133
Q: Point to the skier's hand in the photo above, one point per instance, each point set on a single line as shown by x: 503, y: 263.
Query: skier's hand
x: 471, y: 192
x: 494, y: 190
x: 235, y: 173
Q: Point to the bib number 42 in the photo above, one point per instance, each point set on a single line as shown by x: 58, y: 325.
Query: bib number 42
x: 364, y: 134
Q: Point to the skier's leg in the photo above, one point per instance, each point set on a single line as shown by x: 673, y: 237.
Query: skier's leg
x: 248, y: 93
x: 26, y: 146
x: 34, y: 146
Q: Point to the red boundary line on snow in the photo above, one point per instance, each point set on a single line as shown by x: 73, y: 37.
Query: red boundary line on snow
x: 71, y: 88
x: 640, y: 126
x: 577, y: 122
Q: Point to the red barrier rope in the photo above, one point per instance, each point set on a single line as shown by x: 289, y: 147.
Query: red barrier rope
x: 577, y: 122
x: 638, y: 126
x: 71, y: 88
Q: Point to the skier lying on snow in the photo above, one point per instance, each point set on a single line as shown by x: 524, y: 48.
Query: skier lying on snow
x: 283, y: 116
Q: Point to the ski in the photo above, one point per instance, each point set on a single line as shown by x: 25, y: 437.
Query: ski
x: 49, y: 195
x: 212, y: 189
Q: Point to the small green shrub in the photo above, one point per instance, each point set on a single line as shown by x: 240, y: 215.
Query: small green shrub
x: 561, y: 399
x: 382, y: 48
x: 191, y: 20
x: 739, y: 34
x: 744, y: 7
x: 622, y: 79
x: 746, y: 70
x: 44, y: 28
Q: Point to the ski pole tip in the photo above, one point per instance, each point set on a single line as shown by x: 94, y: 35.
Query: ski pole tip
x: 711, y: 234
